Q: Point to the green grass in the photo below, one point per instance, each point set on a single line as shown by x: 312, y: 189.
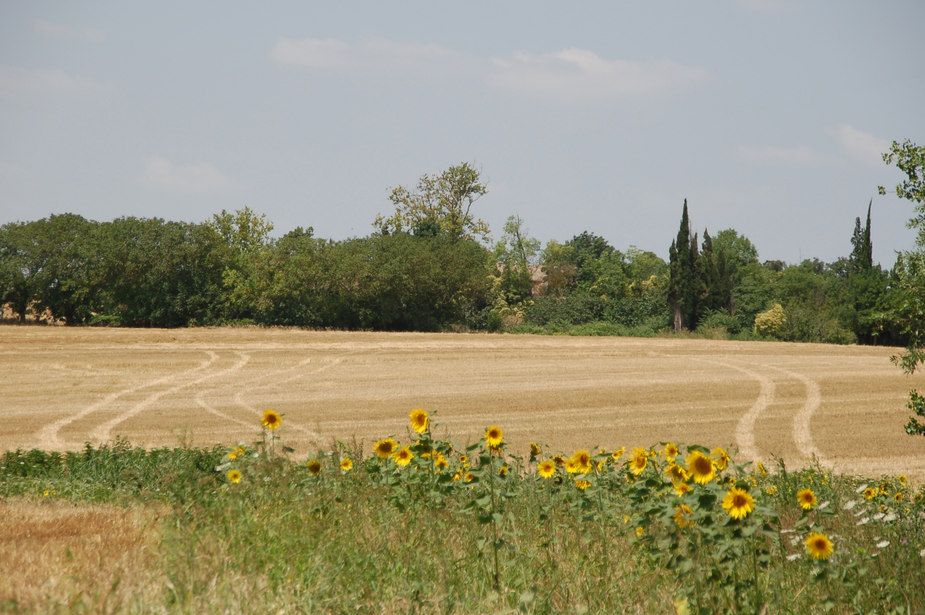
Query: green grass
x: 387, y: 539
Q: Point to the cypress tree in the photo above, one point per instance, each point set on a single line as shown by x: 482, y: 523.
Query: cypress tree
x: 685, y: 284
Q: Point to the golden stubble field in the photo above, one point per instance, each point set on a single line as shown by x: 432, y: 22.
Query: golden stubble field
x: 62, y: 387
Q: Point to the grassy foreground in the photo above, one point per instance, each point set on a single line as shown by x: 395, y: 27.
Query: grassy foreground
x: 428, y: 526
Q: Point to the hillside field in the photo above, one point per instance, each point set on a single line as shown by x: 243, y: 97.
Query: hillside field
x: 61, y: 387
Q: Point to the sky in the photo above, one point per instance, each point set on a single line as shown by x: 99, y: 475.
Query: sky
x: 768, y: 116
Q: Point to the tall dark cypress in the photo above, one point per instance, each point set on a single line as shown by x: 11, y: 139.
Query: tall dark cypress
x: 684, y: 284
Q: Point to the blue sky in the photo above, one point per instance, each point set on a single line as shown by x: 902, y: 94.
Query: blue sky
x: 767, y: 115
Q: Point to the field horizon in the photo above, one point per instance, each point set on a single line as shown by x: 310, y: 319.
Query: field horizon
x: 843, y: 406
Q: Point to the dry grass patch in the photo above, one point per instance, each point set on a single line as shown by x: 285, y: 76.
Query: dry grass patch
x: 60, y: 555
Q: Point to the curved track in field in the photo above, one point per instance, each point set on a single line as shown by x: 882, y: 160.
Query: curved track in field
x: 843, y: 406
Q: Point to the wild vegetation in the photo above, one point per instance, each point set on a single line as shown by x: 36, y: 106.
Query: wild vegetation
x: 431, y: 265
x: 416, y: 523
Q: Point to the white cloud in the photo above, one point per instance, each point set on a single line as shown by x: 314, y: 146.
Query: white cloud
x: 580, y: 74
x: 781, y: 156
x: 66, y: 33
x: 570, y: 74
x: 197, y: 179
x: 370, y: 54
x: 862, y: 146
x: 18, y: 82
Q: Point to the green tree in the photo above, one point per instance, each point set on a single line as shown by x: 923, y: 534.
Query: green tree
x: 910, y: 159
x: 445, y: 199
x: 515, y: 255
x: 18, y: 266
x: 67, y: 267
x: 685, y: 285
x: 245, y: 236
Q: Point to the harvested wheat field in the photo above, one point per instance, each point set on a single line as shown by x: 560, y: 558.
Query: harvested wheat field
x: 845, y: 405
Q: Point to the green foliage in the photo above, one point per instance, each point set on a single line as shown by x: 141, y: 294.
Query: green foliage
x: 771, y: 322
x: 445, y: 200
x: 432, y: 526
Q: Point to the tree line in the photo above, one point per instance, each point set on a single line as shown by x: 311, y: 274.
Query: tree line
x: 430, y: 265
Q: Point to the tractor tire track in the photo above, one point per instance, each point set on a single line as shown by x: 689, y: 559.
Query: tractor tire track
x: 103, y: 432
x: 48, y: 435
x: 328, y: 364
x: 745, y: 428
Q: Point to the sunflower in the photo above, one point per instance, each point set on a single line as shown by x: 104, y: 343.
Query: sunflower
x: 314, y: 467
x: 402, y: 456
x: 682, y: 488
x: 559, y: 460
x: 502, y: 471
x: 738, y: 503
x: 546, y: 469
x: 701, y: 467
x: 618, y: 453
x: 638, y: 461
x: 234, y: 476
x: 677, y: 473
x: 902, y: 479
x: 232, y: 456
x: 818, y: 546
x: 898, y: 498
x: 870, y: 493
x: 582, y: 461
x: 670, y: 451
x: 440, y: 461
x: 806, y: 498
x: 683, y: 516
x: 385, y: 448
x: 271, y: 419
x: 571, y: 466
x: 534, y: 449
x: 582, y: 484
x: 346, y: 464
x: 494, y: 437
x: 419, y: 420
x: 720, y: 458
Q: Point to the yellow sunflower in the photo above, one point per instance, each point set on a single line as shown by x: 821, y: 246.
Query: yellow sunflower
x: 720, y: 458
x: 271, y: 419
x: 494, y: 436
x: 738, y: 503
x: 818, y: 546
x: 682, y: 488
x: 534, y: 449
x: 701, y: 467
x: 677, y: 473
x: 582, y: 484
x: 346, y: 464
x: 546, y: 469
x: 559, y: 460
x: 670, y: 451
x: 638, y: 461
x: 869, y: 493
x: 571, y: 466
x: 618, y: 453
x: 898, y: 498
x: 314, y: 467
x: 385, y: 448
x: 419, y: 420
x: 440, y: 461
x: 402, y: 456
x: 806, y: 498
x: 902, y: 479
x: 582, y: 461
x: 683, y: 516
x: 234, y: 476
x: 502, y: 471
